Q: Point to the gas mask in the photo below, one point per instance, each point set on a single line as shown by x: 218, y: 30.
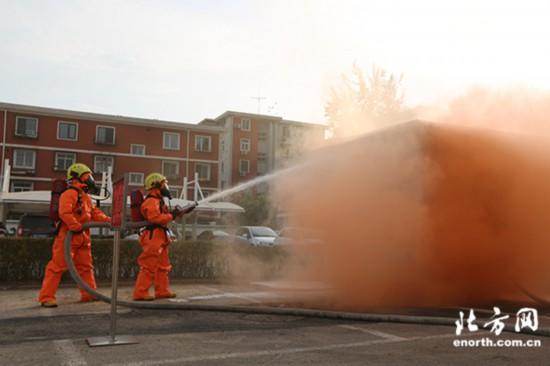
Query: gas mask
x: 91, y: 187
x: 165, y: 191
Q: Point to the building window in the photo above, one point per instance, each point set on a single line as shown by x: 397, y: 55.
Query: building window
x: 63, y: 160
x: 171, y: 141
x: 245, y: 124
x: 26, y: 126
x: 286, y: 132
x: 245, y: 145
x: 24, y: 159
x: 244, y: 167
x: 137, y: 149
x: 103, y: 162
x: 21, y: 186
x: 135, y: 179
x: 286, y: 153
x: 262, y: 166
x: 67, y: 131
x: 203, y: 143
x: 105, y: 135
x: 262, y: 136
x: 170, y: 168
x: 203, y: 170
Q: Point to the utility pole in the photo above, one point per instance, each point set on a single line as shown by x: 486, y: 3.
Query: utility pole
x: 259, y: 99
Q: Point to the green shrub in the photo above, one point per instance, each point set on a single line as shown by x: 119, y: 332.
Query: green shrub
x: 25, y: 260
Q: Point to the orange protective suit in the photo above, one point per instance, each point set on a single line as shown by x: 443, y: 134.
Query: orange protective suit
x: 73, y: 212
x: 154, y: 264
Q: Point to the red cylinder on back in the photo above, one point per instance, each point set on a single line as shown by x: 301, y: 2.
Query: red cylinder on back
x: 136, y: 199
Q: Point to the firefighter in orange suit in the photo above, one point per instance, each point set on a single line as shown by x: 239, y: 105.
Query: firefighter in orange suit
x: 154, y: 264
x: 75, y: 208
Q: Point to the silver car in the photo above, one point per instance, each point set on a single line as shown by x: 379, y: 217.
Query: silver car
x: 297, y: 236
x: 257, y: 235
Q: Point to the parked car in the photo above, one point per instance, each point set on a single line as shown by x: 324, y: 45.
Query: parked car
x: 297, y: 236
x: 132, y: 236
x: 3, y: 230
x: 212, y: 234
x: 257, y: 235
x: 35, y: 226
x: 220, y: 236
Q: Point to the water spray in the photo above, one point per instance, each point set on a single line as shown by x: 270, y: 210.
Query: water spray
x: 250, y: 183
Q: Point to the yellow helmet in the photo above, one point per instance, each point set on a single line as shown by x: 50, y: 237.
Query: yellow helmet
x: 76, y: 170
x: 154, y: 180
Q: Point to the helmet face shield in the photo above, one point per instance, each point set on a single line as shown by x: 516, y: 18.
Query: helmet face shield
x: 165, y: 190
x: 91, y: 186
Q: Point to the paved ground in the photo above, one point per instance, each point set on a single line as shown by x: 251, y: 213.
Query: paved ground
x: 35, y: 336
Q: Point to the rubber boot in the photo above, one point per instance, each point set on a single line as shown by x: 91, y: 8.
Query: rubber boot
x: 143, y: 283
x: 49, y: 304
x: 161, y: 286
x: 52, y: 277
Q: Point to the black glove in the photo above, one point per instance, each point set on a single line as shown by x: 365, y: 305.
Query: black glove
x: 176, y: 212
x: 191, y: 208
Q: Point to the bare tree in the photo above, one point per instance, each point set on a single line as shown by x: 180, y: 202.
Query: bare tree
x: 360, y: 103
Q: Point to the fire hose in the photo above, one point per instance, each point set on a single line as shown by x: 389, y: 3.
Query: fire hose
x: 265, y: 310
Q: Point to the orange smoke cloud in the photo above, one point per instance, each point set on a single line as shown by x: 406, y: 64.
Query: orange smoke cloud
x: 424, y: 214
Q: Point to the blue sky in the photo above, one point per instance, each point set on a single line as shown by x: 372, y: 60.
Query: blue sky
x: 187, y: 60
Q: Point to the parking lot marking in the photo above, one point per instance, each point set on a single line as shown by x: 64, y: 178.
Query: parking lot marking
x: 68, y: 353
x: 249, y: 296
x: 225, y: 356
x: 237, y: 295
x: 373, y: 332
x: 285, y: 351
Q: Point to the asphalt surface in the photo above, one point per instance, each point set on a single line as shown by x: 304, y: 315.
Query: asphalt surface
x: 36, y: 336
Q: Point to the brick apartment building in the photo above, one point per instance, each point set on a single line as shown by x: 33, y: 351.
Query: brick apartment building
x: 41, y: 143
x: 256, y: 144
